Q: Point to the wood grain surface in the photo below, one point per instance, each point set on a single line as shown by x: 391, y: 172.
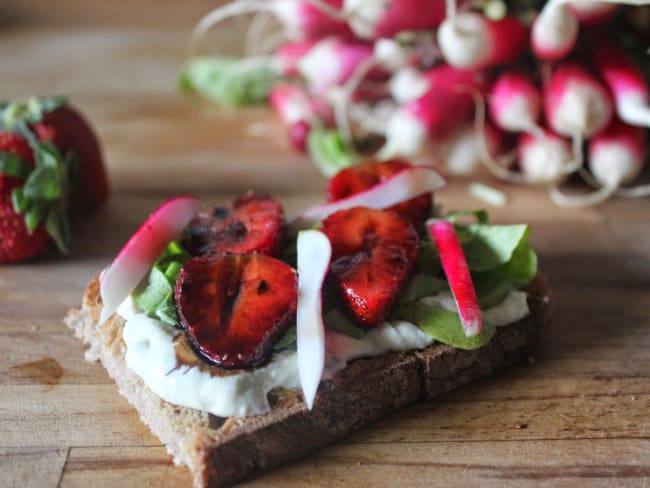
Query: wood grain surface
x: 577, y: 414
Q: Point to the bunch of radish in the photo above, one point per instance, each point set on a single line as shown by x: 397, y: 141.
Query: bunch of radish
x: 535, y: 91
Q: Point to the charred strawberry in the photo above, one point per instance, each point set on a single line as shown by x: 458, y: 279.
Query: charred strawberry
x: 255, y: 222
x: 373, y: 256
x: 233, y: 307
x: 72, y: 135
x: 366, y: 175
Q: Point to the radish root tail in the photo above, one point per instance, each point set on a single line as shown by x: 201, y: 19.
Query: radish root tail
x: 586, y: 200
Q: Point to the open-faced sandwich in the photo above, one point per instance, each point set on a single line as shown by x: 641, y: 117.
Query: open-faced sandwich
x: 244, y: 340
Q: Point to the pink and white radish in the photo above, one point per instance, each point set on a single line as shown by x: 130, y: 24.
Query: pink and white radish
x: 138, y: 255
x: 404, y: 185
x: 457, y: 272
x: 331, y: 62
x: 615, y: 158
x: 515, y: 103
x: 576, y: 105
x: 372, y: 19
x: 442, y: 110
x: 314, y: 251
x: 470, y: 40
x: 301, y: 19
x: 625, y: 81
x: 288, y: 55
x: 298, y: 111
x: 554, y: 31
x: 460, y: 153
x: 592, y: 12
x: 545, y: 158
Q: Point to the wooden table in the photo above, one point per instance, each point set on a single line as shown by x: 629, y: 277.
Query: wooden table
x: 575, y: 414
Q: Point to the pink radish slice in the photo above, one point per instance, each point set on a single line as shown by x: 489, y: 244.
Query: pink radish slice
x: 471, y: 41
x: 314, y: 252
x: 625, y: 81
x: 456, y: 269
x: 554, y: 31
x: 135, y: 259
x: 402, y: 186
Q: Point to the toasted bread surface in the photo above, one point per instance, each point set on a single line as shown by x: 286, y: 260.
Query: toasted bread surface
x: 220, y: 451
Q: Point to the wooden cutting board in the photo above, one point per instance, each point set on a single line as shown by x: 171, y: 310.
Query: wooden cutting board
x: 574, y: 414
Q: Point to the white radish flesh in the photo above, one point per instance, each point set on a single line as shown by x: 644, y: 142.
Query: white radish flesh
x: 138, y: 255
x: 545, y: 158
x: 457, y: 272
x: 406, y: 184
x: 314, y: 252
x: 554, y: 31
x: 592, y: 12
x: 461, y: 154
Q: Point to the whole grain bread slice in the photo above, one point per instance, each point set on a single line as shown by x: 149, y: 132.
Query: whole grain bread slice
x: 220, y: 451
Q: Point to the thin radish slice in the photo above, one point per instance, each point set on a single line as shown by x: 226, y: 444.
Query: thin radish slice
x: 135, y: 259
x: 456, y: 269
x: 314, y: 252
x: 402, y: 186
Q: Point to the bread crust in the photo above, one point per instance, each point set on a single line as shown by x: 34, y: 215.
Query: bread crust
x: 222, y: 451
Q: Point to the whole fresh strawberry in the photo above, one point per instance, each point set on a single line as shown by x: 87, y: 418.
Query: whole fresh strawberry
x: 74, y: 137
x: 374, y: 253
x: 49, y: 161
x: 363, y: 176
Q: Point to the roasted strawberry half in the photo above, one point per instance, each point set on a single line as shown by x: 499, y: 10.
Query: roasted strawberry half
x: 366, y: 175
x: 254, y: 222
x: 373, y: 256
x: 233, y: 307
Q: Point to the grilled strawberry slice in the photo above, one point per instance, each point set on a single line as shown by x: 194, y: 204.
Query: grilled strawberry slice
x: 234, y: 306
x: 255, y: 222
x: 366, y: 175
x: 70, y: 133
x: 373, y: 255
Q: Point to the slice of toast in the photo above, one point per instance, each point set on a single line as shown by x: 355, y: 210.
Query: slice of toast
x: 220, y: 451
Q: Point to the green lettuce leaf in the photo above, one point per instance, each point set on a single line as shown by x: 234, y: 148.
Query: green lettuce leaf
x: 336, y: 320
x: 156, y: 294
x: 329, y: 152
x: 490, y: 246
x: 228, y: 81
x: 288, y: 340
x: 444, y: 326
x: 423, y: 285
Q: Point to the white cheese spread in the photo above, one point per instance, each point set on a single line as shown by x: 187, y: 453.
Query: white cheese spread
x: 152, y: 356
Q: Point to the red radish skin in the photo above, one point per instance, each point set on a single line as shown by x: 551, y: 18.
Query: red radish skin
x: 515, y: 102
x: 402, y: 186
x: 625, y: 81
x: 135, y: 259
x: 592, y: 12
x: 372, y: 19
x: 441, y: 111
x: 301, y: 19
x: 331, y: 62
x: 472, y: 41
x: 554, y: 31
x: 289, y: 54
x: 456, y: 269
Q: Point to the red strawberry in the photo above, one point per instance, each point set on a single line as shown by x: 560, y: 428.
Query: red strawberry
x: 255, y: 222
x: 373, y: 255
x: 366, y: 175
x: 16, y: 243
x: 70, y: 133
x: 233, y: 307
